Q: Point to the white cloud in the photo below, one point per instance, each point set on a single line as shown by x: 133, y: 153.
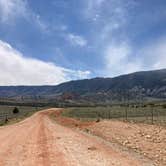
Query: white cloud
x: 16, y: 69
x: 118, y: 61
x: 10, y: 9
x: 154, y: 54
x: 92, y: 7
x: 78, y: 74
x: 39, y: 22
x: 122, y: 59
x: 116, y: 51
x: 76, y: 40
x: 106, y: 12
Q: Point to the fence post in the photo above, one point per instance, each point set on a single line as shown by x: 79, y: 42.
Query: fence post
x: 109, y: 114
x: 152, y: 112
x: 146, y: 114
x: 6, y: 119
x: 126, y: 113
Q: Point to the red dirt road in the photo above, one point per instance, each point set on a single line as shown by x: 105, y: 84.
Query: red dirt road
x: 39, y: 141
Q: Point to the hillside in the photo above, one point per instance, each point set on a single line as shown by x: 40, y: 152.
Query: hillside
x: 145, y: 84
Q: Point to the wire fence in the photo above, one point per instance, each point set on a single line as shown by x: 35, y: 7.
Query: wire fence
x: 139, y: 114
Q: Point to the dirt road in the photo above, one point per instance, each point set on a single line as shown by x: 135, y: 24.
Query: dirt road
x: 39, y: 141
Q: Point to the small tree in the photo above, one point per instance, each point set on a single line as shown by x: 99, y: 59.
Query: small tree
x: 15, y: 110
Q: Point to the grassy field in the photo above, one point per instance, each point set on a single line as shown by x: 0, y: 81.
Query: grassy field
x: 6, y: 113
x: 139, y: 114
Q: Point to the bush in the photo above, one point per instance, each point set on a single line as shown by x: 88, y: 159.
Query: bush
x: 164, y: 106
x: 15, y: 110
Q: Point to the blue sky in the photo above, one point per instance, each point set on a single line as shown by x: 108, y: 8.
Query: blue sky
x: 53, y: 41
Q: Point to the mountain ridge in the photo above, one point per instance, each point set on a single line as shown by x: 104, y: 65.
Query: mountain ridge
x: 144, y: 83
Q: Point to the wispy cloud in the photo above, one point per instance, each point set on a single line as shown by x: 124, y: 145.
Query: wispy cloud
x: 154, y: 54
x: 117, y: 33
x: 10, y: 10
x: 16, y: 69
x: 121, y: 55
x: 92, y: 8
x: 76, y: 40
x: 117, y: 60
x: 110, y: 18
x: 122, y: 59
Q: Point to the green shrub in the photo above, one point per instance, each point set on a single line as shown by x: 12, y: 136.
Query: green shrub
x: 15, y: 110
x: 164, y: 106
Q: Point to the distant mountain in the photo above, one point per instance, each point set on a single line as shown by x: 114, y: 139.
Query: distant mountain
x: 144, y: 85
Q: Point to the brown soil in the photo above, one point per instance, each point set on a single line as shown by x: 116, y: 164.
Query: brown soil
x: 144, y: 139
x: 149, y: 140
x: 39, y: 140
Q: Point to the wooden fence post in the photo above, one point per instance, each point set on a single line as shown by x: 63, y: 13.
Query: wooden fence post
x: 152, y: 112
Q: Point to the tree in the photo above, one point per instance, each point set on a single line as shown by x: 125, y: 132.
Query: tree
x: 15, y: 110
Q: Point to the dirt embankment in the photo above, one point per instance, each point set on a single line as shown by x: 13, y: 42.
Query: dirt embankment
x: 147, y: 140
x: 39, y: 141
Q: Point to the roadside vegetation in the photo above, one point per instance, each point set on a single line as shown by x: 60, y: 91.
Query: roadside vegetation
x: 149, y: 113
x: 12, y: 114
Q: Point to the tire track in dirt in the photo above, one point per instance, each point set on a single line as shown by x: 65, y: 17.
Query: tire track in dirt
x: 42, y: 145
x: 38, y: 141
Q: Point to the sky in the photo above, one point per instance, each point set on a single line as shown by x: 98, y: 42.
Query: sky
x: 54, y: 41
